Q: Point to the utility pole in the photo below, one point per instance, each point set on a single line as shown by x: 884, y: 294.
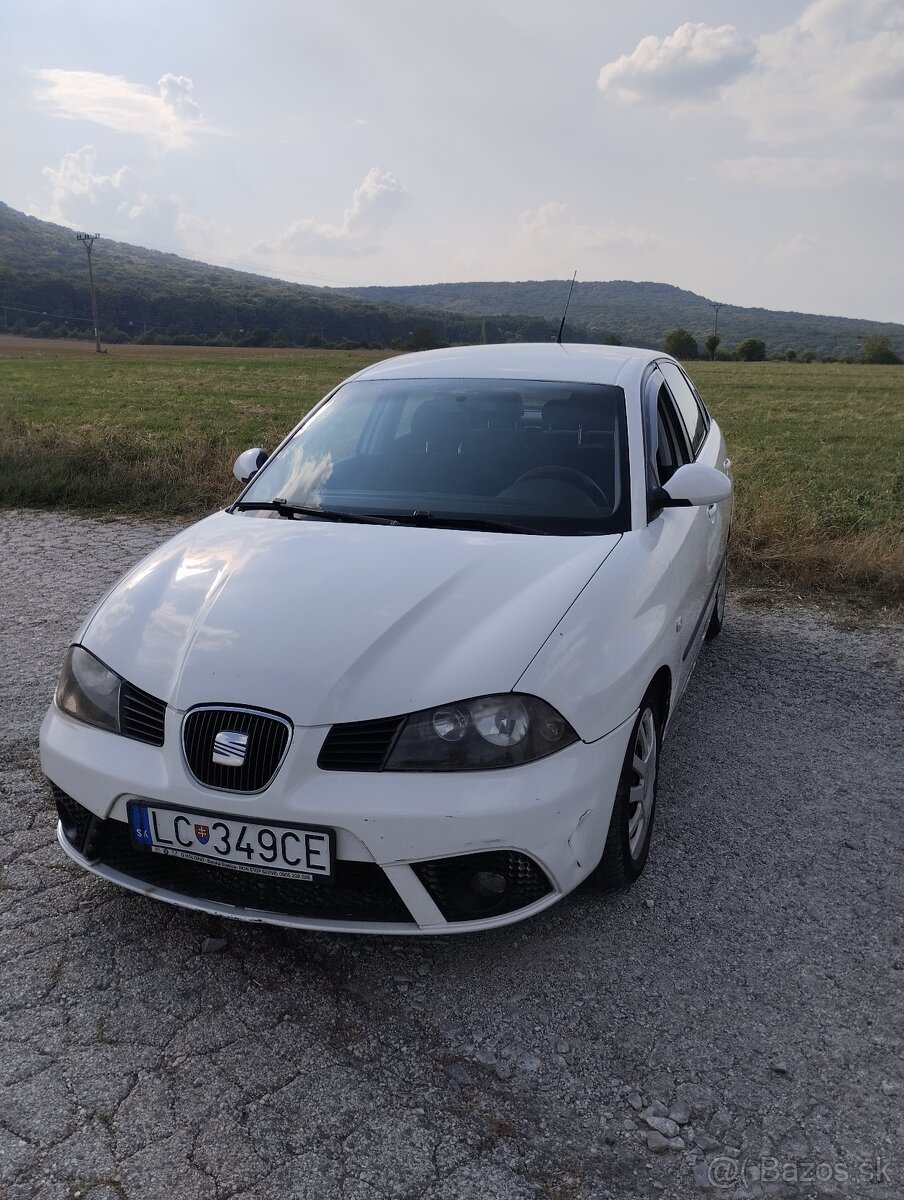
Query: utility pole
x: 88, y: 240
x: 716, y: 327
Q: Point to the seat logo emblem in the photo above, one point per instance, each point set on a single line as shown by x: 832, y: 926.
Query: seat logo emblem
x: 230, y: 748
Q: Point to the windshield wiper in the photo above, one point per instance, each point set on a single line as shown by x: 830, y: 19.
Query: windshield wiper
x: 285, y: 509
x: 420, y: 517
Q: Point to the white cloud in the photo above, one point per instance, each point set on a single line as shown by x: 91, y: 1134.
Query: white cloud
x: 374, y: 203
x: 76, y: 177
x: 376, y: 200
x: 169, y: 118
x: 546, y: 222
x: 845, y: 20
x: 795, y: 247
x: 552, y: 223
x: 201, y: 238
x: 142, y: 205
x: 838, y: 69
x: 692, y: 63
x: 176, y: 94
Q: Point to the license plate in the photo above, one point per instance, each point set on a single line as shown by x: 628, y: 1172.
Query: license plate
x: 262, y: 847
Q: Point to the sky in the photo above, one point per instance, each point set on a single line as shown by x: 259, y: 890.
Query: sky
x: 751, y: 153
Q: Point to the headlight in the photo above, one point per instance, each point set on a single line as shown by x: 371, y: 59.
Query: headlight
x: 88, y: 690
x: 479, y: 734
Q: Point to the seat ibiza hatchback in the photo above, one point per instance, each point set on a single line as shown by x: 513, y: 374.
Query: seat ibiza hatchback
x: 416, y: 679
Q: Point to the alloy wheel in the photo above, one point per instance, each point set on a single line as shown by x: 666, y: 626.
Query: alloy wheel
x: 643, y: 783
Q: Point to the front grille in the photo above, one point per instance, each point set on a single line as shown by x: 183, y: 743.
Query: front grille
x: 450, y: 881
x: 268, y: 740
x: 359, y: 745
x: 141, y: 716
x: 359, y: 891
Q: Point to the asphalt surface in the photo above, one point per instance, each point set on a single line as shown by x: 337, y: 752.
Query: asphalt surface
x: 750, y: 984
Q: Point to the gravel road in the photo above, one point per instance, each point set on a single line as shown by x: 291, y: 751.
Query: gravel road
x: 745, y: 997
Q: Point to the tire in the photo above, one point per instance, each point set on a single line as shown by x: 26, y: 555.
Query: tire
x: 714, y: 628
x: 631, y: 824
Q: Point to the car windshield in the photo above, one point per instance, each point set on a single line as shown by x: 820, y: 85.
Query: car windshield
x: 514, y: 455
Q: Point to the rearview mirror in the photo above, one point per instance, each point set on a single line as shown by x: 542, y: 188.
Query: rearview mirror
x: 247, y: 465
x: 693, y: 485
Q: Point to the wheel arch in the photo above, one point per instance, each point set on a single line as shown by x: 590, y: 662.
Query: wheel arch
x: 661, y: 687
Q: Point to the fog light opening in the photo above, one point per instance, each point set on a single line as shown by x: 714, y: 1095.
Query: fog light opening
x: 489, y: 885
x: 480, y: 893
x: 473, y: 887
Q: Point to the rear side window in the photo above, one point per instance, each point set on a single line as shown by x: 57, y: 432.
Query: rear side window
x: 686, y: 402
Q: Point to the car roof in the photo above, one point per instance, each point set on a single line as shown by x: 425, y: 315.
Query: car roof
x: 571, y: 362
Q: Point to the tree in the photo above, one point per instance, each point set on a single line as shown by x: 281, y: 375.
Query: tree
x: 422, y: 338
x: 712, y: 344
x: 876, y: 350
x: 681, y: 344
x: 790, y: 354
x: 752, y: 350
x: 257, y: 337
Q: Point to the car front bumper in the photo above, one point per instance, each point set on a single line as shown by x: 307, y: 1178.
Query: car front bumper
x: 407, y: 843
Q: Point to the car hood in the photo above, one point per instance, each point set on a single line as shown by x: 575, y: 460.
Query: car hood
x: 337, y: 622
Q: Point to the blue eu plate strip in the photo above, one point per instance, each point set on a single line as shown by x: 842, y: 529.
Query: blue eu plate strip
x: 140, y: 824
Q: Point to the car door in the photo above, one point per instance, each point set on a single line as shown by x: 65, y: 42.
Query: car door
x: 707, y: 447
x: 684, y: 530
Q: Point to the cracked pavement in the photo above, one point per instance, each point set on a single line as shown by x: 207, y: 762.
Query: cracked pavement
x: 755, y: 971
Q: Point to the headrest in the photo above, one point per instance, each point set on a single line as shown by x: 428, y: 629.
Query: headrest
x: 570, y: 412
x: 432, y: 422
x: 500, y: 409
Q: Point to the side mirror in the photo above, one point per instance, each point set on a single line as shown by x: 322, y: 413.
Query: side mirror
x: 693, y: 485
x: 247, y: 465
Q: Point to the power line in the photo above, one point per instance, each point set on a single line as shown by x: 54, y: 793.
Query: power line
x: 42, y: 312
x: 118, y: 322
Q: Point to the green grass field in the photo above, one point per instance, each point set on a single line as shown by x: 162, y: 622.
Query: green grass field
x: 148, y: 430
x: 818, y: 451
x: 152, y: 431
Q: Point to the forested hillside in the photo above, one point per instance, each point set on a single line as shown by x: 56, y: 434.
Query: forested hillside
x: 149, y: 296
x: 643, y: 313
x: 145, y: 295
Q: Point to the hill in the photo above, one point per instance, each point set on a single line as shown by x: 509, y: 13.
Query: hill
x: 642, y: 313
x: 150, y: 296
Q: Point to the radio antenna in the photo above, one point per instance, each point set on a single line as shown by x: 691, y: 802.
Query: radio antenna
x: 565, y: 313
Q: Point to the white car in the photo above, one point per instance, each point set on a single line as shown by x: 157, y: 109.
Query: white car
x: 417, y: 678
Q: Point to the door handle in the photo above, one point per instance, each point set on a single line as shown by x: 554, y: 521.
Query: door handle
x: 711, y: 511
x: 726, y: 464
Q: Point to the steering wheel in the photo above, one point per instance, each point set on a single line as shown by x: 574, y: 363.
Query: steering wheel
x: 570, y: 475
